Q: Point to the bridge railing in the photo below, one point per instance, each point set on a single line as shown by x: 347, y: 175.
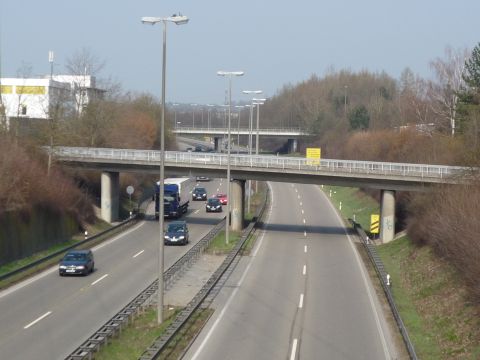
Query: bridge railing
x: 264, y: 161
x: 242, y: 129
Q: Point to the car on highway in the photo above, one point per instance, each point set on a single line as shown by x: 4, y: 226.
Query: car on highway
x: 77, y: 262
x: 199, y: 193
x: 223, y: 198
x: 203, y: 178
x: 213, y: 205
x: 176, y: 233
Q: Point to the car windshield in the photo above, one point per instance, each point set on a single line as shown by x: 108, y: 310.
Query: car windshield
x: 221, y: 195
x: 199, y: 190
x: 213, y: 201
x: 175, y: 228
x: 75, y: 257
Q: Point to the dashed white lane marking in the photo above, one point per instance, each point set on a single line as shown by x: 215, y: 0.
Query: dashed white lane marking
x: 294, y: 349
x: 305, y: 248
x: 303, y: 212
x: 98, y: 280
x: 305, y: 233
x: 196, y: 211
x: 296, y: 190
x: 301, y: 204
x: 139, y: 253
x: 304, y: 272
x: 300, y: 303
x: 37, y: 320
x: 298, y: 196
x: 304, y: 221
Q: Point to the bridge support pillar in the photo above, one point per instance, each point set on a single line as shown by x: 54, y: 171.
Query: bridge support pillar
x: 110, y: 197
x: 387, y: 216
x: 217, y: 143
x: 292, y: 145
x: 237, y: 194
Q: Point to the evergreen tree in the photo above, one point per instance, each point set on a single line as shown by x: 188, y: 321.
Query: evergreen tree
x: 359, y: 118
x: 472, y: 69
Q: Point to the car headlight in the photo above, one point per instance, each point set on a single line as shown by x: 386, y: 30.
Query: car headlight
x: 80, y: 267
x: 181, y: 237
x: 167, y: 237
x: 63, y: 267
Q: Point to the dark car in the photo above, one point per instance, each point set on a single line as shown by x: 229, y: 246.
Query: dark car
x: 176, y: 233
x: 213, y: 205
x: 199, y: 193
x: 77, y: 262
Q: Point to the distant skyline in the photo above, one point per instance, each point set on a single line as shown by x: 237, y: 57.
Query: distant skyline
x: 274, y: 42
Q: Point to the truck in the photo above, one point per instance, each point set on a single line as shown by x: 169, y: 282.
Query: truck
x: 176, y: 196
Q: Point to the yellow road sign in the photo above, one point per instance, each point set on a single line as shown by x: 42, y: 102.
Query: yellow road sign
x: 313, y: 156
x: 374, y: 223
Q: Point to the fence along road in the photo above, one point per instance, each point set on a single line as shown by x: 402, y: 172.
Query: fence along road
x: 369, y: 174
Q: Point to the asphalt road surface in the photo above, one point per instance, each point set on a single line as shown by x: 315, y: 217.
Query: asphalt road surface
x: 303, y: 294
x: 48, y: 316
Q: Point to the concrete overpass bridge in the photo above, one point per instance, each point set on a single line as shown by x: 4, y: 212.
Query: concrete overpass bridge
x: 291, y: 134
x: 387, y: 177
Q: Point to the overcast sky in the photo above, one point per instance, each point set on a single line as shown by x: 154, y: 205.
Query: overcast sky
x: 276, y: 42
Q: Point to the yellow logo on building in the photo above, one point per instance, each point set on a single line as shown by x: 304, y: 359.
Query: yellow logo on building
x: 6, y: 89
x: 374, y: 223
x: 313, y: 156
x: 31, y: 90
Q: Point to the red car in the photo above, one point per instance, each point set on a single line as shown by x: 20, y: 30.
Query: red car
x: 222, y: 198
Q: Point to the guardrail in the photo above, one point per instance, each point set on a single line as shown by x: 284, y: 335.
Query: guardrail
x: 61, y: 251
x: 160, y: 344
x: 420, y: 171
x: 380, y: 269
x: 143, y: 300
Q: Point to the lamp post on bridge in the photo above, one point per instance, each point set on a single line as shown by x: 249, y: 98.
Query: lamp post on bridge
x: 178, y: 20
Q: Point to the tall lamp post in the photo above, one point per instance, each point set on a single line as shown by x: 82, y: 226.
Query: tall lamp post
x: 239, y: 107
x: 178, y: 20
x: 229, y: 75
x: 193, y: 114
x: 258, y: 102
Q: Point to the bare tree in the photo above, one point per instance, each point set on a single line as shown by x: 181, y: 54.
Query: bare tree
x: 449, y: 75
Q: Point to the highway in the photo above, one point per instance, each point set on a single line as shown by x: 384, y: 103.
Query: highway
x: 48, y: 316
x: 303, y: 294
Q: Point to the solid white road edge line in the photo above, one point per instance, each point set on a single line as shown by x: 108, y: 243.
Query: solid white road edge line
x: 139, y: 253
x: 300, y: 303
x: 232, y: 295
x: 364, y: 277
x: 98, y: 280
x: 294, y: 349
x: 55, y: 267
x: 37, y: 320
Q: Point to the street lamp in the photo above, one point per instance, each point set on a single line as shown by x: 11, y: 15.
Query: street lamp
x: 229, y: 75
x: 250, y: 139
x: 178, y: 20
x: 239, y: 107
x: 193, y: 115
x: 208, y: 115
x: 258, y: 102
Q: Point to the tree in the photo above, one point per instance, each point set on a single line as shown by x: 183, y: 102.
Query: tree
x: 444, y: 93
x: 359, y: 118
x: 472, y: 69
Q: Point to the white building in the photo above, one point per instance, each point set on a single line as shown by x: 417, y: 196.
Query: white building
x: 33, y: 98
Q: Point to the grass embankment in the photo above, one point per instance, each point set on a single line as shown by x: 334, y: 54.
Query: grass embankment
x: 432, y: 298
